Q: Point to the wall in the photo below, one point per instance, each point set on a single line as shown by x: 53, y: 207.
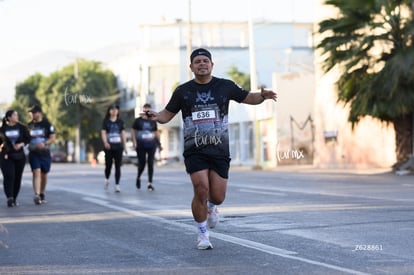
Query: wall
x: 370, y: 144
x: 295, y: 117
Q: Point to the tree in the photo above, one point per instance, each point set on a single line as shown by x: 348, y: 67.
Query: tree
x: 371, y: 43
x: 78, y: 95
x: 239, y: 77
x: 26, y: 95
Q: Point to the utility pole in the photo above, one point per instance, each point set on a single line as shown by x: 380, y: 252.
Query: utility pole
x: 253, y: 87
x: 412, y: 114
x: 78, y: 117
x: 189, y: 37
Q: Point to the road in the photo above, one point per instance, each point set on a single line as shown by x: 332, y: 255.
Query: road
x: 284, y: 221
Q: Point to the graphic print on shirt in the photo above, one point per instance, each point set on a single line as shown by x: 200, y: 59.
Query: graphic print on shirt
x: 39, y: 133
x: 204, y: 97
x: 204, y: 110
x: 145, y: 135
x: 205, y: 127
x: 38, y: 136
x: 12, y: 135
x: 113, y: 131
x: 113, y: 134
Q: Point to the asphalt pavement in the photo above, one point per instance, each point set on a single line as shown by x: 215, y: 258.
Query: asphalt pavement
x: 287, y: 220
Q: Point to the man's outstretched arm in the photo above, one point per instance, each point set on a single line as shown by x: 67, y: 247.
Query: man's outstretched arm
x: 254, y: 98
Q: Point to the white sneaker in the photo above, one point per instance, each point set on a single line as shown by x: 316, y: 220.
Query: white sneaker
x: 212, y: 217
x: 117, y: 189
x: 106, y: 183
x: 203, y: 241
x: 402, y: 172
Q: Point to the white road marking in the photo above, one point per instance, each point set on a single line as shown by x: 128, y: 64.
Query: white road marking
x: 226, y: 238
x: 320, y: 192
x: 263, y: 192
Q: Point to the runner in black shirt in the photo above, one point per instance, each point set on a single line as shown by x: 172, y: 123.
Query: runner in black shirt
x: 146, y: 140
x: 14, y: 136
x: 42, y: 134
x: 114, y: 140
x: 204, y: 103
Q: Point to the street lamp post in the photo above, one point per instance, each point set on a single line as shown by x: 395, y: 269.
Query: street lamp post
x: 254, y: 86
x: 78, y: 119
x: 189, y: 36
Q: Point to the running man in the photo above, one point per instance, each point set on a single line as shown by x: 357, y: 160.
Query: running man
x: 146, y: 140
x: 42, y: 134
x: 204, y: 103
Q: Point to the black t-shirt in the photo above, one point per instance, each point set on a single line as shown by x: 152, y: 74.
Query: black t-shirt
x: 14, y: 134
x: 145, y: 132
x: 114, y: 132
x: 204, y: 109
x: 39, y: 133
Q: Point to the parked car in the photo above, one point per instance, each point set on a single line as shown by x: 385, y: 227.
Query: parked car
x: 58, y: 153
x: 130, y: 156
x: 58, y: 156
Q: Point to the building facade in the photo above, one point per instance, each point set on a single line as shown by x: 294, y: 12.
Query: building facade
x: 306, y: 126
x: 280, y: 48
x: 370, y: 144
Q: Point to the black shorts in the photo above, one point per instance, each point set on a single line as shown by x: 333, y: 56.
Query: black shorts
x: 197, y: 162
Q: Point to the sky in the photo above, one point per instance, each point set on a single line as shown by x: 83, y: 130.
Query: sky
x: 29, y: 28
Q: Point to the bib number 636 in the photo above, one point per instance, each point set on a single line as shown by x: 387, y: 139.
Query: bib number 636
x: 203, y: 115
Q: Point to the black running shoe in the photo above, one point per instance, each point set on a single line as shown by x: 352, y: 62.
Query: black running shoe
x: 150, y: 188
x: 10, y: 202
x: 37, y: 199
x: 138, y: 183
x: 42, y: 198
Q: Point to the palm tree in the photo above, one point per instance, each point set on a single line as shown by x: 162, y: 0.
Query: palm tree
x: 371, y: 43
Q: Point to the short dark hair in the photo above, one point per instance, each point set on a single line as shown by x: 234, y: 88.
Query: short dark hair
x: 147, y: 105
x: 35, y: 109
x: 200, y: 51
x: 113, y: 106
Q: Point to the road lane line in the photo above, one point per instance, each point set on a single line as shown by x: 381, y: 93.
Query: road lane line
x: 227, y: 238
x: 263, y: 192
x: 319, y: 193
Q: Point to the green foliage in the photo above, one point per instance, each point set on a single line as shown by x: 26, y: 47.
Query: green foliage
x: 239, y: 77
x: 26, y: 96
x: 76, y: 95
x: 371, y: 42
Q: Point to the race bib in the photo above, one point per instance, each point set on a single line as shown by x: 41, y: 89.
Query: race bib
x: 206, y: 115
x: 37, y: 133
x: 12, y: 134
x: 116, y: 139
x: 148, y: 136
